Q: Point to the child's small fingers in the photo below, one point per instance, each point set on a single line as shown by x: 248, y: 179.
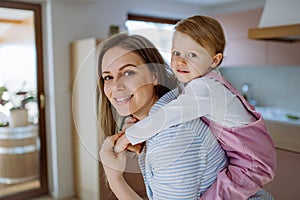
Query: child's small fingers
x: 136, y: 148
x: 116, y: 136
x: 131, y: 120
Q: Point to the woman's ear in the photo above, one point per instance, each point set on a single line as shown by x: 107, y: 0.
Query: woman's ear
x: 216, y: 60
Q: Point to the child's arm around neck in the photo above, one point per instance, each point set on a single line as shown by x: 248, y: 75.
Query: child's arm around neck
x: 193, y: 103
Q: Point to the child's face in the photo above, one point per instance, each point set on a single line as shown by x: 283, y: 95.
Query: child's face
x: 189, y: 59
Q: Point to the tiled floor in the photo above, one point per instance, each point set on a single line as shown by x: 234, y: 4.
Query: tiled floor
x: 4, y: 189
x: 13, y: 188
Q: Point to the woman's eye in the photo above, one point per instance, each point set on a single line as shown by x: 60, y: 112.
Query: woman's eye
x: 107, y: 78
x: 129, y: 73
x: 176, y: 53
x: 192, y: 55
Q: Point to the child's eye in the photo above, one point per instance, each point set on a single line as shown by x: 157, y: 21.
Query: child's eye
x: 107, y: 78
x: 129, y: 73
x: 176, y: 53
x: 192, y: 55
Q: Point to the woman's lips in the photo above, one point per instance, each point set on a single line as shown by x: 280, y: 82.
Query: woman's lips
x: 124, y: 99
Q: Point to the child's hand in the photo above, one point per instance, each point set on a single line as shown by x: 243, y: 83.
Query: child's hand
x: 123, y: 143
x: 129, y: 121
x: 136, y: 148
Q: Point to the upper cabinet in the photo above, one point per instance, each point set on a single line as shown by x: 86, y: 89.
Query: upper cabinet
x: 242, y: 51
x: 273, y: 26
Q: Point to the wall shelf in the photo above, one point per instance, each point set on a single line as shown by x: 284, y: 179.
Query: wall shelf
x: 286, y: 33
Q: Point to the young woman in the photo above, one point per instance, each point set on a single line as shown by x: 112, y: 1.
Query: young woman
x: 182, y: 161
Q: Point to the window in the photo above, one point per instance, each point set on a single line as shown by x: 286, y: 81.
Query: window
x: 157, y: 30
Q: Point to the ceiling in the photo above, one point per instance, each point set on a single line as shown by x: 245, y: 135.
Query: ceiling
x: 210, y: 2
x: 221, y: 3
x: 14, y: 14
x: 12, y: 21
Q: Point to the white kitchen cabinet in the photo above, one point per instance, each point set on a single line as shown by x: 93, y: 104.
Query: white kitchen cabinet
x: 85, y: 138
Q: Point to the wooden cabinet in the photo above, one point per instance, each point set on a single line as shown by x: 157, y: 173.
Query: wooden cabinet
x: 287, y: 179
x: 285, y: 135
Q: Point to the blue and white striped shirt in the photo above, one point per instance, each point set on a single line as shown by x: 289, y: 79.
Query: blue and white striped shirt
x: 182, y: 161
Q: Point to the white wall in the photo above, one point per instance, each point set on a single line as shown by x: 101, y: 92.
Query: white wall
x: 269, y: 86
x: 241, y: 51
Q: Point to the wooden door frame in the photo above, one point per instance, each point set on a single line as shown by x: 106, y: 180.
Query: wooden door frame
x: 43, y: 175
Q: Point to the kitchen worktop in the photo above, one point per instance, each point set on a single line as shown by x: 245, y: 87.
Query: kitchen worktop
x: 280, y: 115
x: 284, y: 127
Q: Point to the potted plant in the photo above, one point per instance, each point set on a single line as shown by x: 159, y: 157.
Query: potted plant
x: 3, y: 102
x: 17, y: 106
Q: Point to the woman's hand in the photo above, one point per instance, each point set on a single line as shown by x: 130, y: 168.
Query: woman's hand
x: 123, y: 143
x: 113, y: 163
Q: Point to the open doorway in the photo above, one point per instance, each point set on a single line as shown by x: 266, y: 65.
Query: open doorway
x: 23, y: 167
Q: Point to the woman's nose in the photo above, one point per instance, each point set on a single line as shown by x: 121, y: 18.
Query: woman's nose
x: 118, y: 85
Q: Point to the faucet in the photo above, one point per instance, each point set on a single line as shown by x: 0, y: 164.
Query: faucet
x: 246, y: 94
x: 245, y: 91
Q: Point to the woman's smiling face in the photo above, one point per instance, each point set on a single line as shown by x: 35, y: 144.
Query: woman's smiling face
x: 128, y: 82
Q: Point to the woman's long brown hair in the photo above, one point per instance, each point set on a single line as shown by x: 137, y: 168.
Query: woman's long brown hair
x: 142, y: 47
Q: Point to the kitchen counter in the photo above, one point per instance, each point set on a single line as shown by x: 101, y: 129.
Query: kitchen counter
x: 283, y: 126
x: 280, y: 116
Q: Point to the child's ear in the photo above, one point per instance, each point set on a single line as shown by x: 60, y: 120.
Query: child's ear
x: 216, y: 60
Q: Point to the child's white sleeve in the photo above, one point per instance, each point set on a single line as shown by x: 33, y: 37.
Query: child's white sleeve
x: 195, y: 102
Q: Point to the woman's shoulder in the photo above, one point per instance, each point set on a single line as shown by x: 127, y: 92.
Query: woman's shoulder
x: 169, y: 96
x: 172, y: 94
